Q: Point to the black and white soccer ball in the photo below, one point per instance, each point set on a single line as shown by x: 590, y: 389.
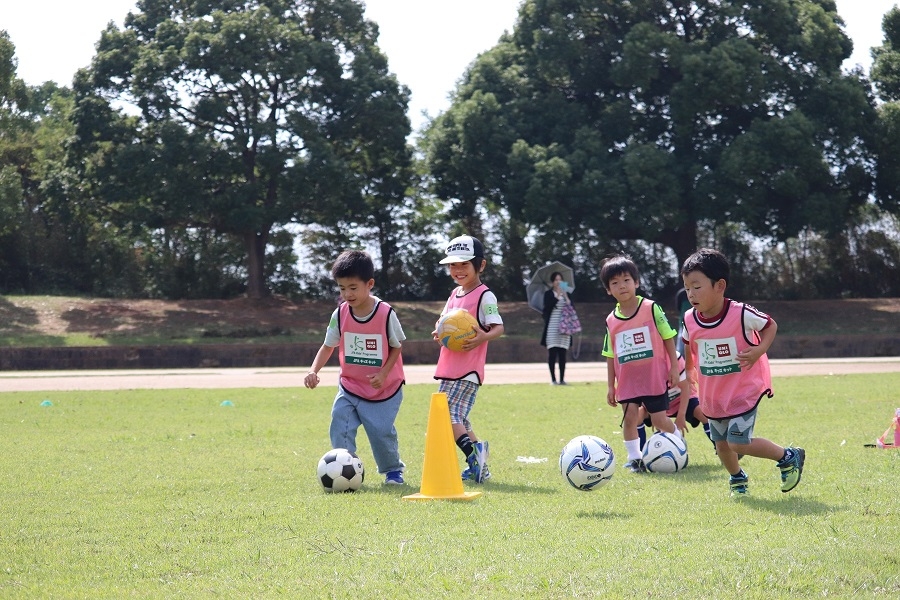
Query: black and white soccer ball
x: 665, y: 453
x: 587, y: 463
x: 340, y: 471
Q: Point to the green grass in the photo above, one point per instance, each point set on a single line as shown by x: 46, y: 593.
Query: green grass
x: 165, y: 494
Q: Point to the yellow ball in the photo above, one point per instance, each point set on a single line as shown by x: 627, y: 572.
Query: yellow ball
x: 455, y: 328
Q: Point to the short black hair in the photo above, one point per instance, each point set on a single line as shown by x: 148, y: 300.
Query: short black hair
x: 354, y: 263
x: 711, y: 263
x: 618, y: 265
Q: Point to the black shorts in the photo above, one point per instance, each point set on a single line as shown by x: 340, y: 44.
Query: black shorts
x: 653, y: 404
x: 693, y: 421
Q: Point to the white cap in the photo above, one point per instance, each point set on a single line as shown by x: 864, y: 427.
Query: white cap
x: 462, y: 249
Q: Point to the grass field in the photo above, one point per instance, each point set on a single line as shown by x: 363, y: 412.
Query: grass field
x: 169, y: 494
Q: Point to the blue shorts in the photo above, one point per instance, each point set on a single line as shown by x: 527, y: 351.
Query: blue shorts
x: 461, y: 398
x: 736, y: 430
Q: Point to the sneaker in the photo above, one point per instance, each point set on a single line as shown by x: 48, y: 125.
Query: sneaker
x: 791, y: 469
x: 468, y: 476
x: 474, y: 471
x: 481, y: 459
x: 394, y: 478
x: 740, y: 485
x: 636, y: 466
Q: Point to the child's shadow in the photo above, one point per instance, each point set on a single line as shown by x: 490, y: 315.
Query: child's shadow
x: 794, y: 506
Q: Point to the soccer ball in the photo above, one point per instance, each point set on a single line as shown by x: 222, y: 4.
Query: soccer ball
x: 455, y: 328
x: 340, y: 471
x: 665, y: 453
x: 587, y: 463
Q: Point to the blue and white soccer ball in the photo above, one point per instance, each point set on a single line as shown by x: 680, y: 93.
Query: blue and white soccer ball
x: 340, y: 470
x: 665, y: 453
x: 587, y: 463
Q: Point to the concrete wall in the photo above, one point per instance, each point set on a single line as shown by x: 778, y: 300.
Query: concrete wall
x: 507, y: 350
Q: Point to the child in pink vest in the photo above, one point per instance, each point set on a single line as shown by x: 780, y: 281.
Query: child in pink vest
x: 726, y: 342
x: 461, y: 373
x: 640, y: 356
x: 370, y: 388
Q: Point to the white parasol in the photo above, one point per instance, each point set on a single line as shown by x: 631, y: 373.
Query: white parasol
x: 540, y: 283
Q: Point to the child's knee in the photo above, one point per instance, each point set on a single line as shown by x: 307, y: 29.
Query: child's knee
x: 738, y: 448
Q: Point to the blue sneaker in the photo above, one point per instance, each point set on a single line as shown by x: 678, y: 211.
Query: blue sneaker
x: 468, y: 476
x: 792, y: 468
x: 636, y: 465
x: 740, y: 485
x: 394, y: 478
x: 481, y: 459
x: 473, y: 472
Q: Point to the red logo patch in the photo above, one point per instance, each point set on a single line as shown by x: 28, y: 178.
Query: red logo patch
x: 639, y: 338
x: 723, y: 350
x: 371, y: 345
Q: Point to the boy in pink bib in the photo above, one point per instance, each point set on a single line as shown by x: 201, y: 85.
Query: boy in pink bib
x: 369, y: 337
x: 726, y: 342
x: 640, y: 356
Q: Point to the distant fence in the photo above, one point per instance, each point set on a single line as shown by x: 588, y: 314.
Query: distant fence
x: 505, y: 350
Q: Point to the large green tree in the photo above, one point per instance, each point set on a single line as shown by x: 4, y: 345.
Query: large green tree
x: 886, y: 77
x: 240, y: 117
x: 644, y: 120
x: 42, y: 247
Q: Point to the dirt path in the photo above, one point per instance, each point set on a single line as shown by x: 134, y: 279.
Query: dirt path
x: 26, y: 381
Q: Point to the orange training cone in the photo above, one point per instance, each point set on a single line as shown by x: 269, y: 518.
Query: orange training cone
x: 440, y: 472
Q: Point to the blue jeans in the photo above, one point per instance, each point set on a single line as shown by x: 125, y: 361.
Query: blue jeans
x: 349, y: 412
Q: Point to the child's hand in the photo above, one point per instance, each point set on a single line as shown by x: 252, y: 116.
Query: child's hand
x: 681, y: 424
x: 611, y: 397
x: 474, y: 342
x: 748, y: 357
x: 674, y: 376
x: 311, y: 380
x: 434, y: 336
x: 376, y: 380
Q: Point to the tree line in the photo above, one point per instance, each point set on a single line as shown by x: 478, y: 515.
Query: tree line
x: 228, y: 147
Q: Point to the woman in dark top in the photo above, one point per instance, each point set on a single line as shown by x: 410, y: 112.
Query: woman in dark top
x: 557, y: 343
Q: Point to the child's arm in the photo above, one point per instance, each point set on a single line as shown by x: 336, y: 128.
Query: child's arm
x: 681, y: 417
x: 674, y: 371
x: 748, y: 357
x: 689, y: 373
x: 377, y: 380
x: 611, y: 382
x: 312, y: 378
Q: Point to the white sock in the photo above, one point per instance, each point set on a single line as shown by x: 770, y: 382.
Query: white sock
x: 633, y: 448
